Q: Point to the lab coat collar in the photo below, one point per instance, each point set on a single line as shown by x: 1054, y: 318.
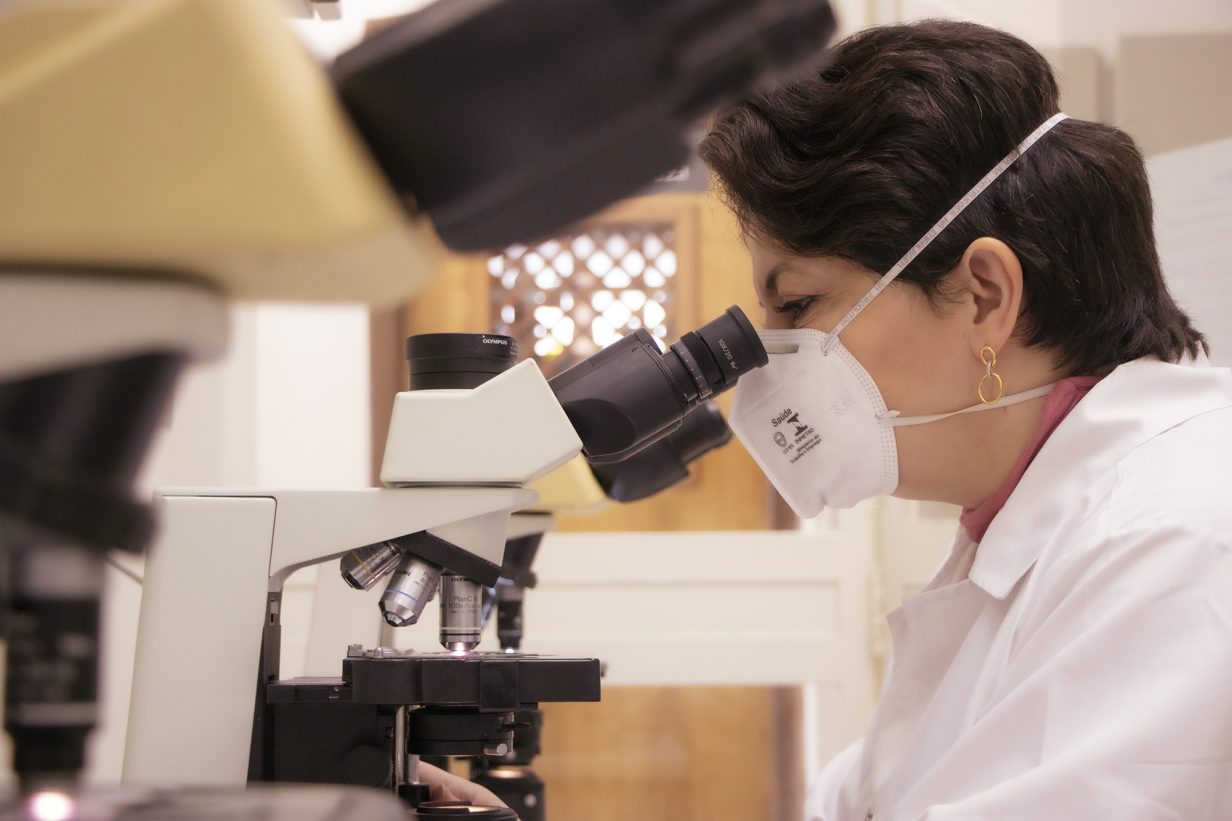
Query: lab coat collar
x: 1136, y: 402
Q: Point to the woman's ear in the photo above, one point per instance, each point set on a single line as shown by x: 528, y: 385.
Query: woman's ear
x: 991, y: 275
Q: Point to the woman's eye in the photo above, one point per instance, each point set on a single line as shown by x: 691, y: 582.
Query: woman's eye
x: 796, y: 307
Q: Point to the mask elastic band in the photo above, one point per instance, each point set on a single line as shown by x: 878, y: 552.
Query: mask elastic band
x: 790, y: 340
x: 941, y: 225
x: 1013, y: 399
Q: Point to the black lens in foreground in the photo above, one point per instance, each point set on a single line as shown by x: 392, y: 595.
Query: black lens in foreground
x: 733, y: 344
x: 442, y: 361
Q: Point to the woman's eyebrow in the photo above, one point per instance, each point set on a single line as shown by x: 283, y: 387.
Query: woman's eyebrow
x: 772, y: 278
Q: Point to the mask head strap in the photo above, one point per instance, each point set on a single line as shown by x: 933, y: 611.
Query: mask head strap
x: 941, y: 225
x: 896, y: 421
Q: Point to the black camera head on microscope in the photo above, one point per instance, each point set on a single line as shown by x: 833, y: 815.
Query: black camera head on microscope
x: 458, y: 361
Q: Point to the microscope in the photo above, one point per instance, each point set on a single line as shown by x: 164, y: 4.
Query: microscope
x: 162, y: 158
x: 472, y: 431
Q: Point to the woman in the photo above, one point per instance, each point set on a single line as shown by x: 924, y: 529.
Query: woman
x: 930, y: 239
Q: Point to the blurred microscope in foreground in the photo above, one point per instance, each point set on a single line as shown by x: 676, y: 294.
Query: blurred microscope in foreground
x: 163, y: 157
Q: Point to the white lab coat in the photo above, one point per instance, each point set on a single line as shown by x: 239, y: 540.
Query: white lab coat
x: 1078, y: 664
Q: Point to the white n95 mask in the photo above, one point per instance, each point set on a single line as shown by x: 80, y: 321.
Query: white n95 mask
x: 814, y: 420
x: 815, y: 423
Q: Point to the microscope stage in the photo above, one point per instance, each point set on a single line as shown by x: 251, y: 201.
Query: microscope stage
x: 484, y: 681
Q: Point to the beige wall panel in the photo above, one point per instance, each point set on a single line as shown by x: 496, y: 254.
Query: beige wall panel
x: 1172, y: 92
x: 1080, y: 75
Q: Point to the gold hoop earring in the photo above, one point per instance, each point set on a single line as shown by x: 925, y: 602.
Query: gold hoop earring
x: 989, y: 357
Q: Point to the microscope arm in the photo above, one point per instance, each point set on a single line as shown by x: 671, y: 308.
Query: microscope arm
x: 212, y: 578
x: 316, y: 527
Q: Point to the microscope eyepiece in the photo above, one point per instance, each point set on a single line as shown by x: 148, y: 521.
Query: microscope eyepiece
x: 444, y: 361
x: 631, y: 393
x: 726, y: 348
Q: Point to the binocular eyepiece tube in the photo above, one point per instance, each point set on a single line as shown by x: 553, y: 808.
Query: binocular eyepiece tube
x: 631, y: 394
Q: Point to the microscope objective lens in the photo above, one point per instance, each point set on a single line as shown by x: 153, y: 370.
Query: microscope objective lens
x: 461, y: 614
x: 410, y: 589
x: 364, y: 566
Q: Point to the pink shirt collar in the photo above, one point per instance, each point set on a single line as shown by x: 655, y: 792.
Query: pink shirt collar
x: 1061, y: 400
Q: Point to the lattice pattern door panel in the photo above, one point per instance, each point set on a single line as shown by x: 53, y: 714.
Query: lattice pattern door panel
x: 567, y: 297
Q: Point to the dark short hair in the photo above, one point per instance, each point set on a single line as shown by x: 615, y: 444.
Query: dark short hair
x: 859, y: 160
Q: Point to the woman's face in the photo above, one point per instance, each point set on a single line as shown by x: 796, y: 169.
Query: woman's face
x: 915, y: 351
x: 918, y: 353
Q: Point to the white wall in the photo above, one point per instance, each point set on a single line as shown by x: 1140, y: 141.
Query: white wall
x: 287, y: 407
x: 1193, y: 227
x: 1055, y: 23
x: 1101, y: 23
x: 1039, y: 23
x: 1094, y: 27
x: 852, y: 15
